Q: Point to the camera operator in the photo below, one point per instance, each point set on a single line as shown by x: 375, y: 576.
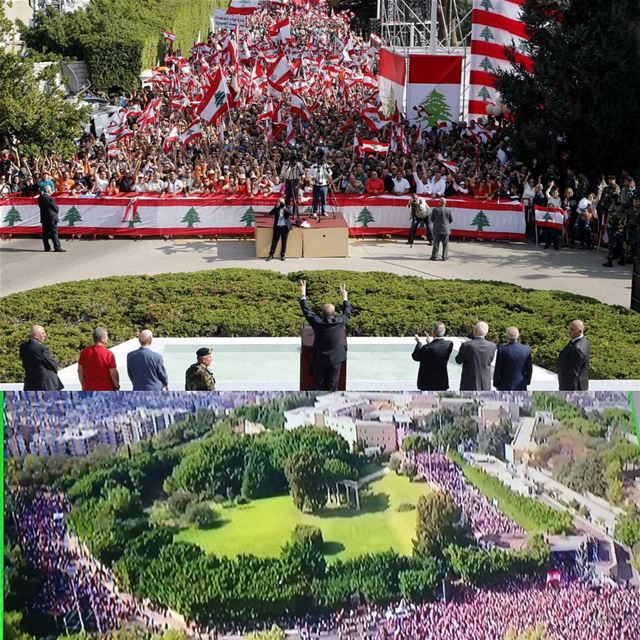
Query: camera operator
x: 291, y: 173
x: 419, y: 213
x: 321, y: 179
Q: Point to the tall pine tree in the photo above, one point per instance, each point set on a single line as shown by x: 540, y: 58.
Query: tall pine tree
x: 584, y: 91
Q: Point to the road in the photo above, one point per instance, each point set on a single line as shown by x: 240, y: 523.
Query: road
x: 25, y: 265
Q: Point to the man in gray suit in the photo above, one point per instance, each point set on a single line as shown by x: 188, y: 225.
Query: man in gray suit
x: 441, y: 220
x: 476, y: 356
x: 146, y: 367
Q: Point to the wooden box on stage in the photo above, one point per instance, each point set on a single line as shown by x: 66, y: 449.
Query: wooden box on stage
x: 328, y: 238
x: 264, y: 234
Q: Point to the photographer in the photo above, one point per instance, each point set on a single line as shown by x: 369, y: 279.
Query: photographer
x: 291, y: 173
x: 321, y: 179
x: 419, y: 215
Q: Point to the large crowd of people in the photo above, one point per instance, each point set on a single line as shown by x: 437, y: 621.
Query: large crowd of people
x: 309, y: 87
x: 482, y: 515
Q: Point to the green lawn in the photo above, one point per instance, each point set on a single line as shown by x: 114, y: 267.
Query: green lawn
x: 263, y: 526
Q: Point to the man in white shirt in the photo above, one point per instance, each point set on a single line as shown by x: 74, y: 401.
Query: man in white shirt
x: 400, y: 184
x: 421, y: 178
x: 437, y: 185
x: 174, y: 185
x: 320, y: 179
x: 156, y: 184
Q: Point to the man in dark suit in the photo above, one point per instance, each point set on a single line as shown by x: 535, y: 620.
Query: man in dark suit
x: 514, y: 365
x: 40, y: 369
x: 281, y: 227
x: 433, y: 358
x: 49, y: 220
x: 476, y: 356
x: 441, y: 220
x: 145, y: 367
x: 573, y: 360
x: 329, y: 344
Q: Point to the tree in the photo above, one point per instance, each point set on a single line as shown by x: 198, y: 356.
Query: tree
x: 539, y: 633
x: 486, y: 34
x: 615, y: 491
x: 487, y: 5
x: 437, y: 520
x: 391, y: 103
x: 306, y: 478
x: 591, y: 39
x: 418, y: 585
x: 72, y: 216
x: 191, y: 217
x: 486, y: 65
x: 12, y: 216
x: 275, y: 633
x: 307, y: 532
x: 135, y: 220
x: 41, y: 121
x: 179, y: 501
x: 249, y: 217
x: 484, y: 94
x: 481, y: 221
x: 436, y: 108
x: 365, y: 217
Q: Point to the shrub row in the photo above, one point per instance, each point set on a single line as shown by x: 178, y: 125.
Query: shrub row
x: 244, y: 302
x: 532, y: 515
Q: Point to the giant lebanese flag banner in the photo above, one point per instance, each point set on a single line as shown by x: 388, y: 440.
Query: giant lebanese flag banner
x: 135, y: 216
x: 392, y: 75
x: 433, y: 90
x: 496, y: 24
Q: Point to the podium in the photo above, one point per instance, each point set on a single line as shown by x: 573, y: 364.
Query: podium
x: 306, y: 377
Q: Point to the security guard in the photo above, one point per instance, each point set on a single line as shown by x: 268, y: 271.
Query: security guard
x: 198, y: 376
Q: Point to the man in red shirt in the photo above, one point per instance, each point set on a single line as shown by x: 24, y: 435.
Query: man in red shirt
x: 97, y: 369
x: 374, y: 186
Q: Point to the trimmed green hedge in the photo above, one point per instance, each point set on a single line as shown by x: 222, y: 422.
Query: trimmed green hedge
x: 249, y: 302
x: 532, y: 515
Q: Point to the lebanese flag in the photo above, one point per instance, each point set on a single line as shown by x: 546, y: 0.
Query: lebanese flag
x: 374, y: 119
x: 148, y: 115
x: 433, y: 90
x: 496, y: 24
x: 298, y: 106
x: 242, y: 7
x: 131, y: 210
x: 290, y: 138
x: 373, y: 146
x: 267, y: 111
x: 281, y: 30
x: 216, y: 99
x: 193, y: 131
x: 170, y: 139
x: 550, y: 217
x: 167, y: 35
x: 280, y: 71
x: 450, y: 164
x: 391, y: 81
x: 553, y: 578
x: 274, y: 90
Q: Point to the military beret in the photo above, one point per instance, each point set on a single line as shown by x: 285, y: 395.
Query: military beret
x: 203, y: 351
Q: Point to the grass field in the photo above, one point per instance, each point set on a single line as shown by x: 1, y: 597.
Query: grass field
x: 263, y: 526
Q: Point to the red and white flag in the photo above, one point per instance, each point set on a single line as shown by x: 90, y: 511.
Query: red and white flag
x: 391, y: 81
x: 290, y: 138
x: 280, y: 71
x: 216, y: 99
x: 170, y: 139
x: 433, y: 89
x: 193, y: 131
x: 373, y: 118
x: 373, y: 146
x: 550, y: 217
x: 496, y: 24
x: 298, y: 106
x: 167, y: 35
x: 450, y: 164
x: 131, y: 210
x: 242, y: 7
x: 149, y: 113
x: 281, y: 30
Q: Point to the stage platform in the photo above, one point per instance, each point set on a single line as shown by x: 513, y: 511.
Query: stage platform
x: 326, y: 238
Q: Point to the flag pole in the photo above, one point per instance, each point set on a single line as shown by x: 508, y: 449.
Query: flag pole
x: 433, y: 32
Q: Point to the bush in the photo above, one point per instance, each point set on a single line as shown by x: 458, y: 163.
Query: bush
x: 405, y: 506
x: 307, y: 532
x: 201, y: 515
x: 179, y: 502
x: 245, y: 302
x: 418, y: 585
x: 532, y: 515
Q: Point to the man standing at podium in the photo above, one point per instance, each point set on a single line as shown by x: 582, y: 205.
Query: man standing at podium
x: 329, y: 344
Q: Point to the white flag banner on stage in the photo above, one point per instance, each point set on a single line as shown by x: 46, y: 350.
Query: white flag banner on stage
x: 392, y: 71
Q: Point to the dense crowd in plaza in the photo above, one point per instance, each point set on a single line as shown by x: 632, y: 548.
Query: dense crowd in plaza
x: 483, y: 516
x: 304, y: 88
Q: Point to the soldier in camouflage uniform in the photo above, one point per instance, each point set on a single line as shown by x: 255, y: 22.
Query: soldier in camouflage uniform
x: 198, y: 377
x: 633, y: 228
x: 610, y: 216
x: 617, y: 232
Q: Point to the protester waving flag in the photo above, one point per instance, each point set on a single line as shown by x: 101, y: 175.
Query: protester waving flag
x: 216, y: 99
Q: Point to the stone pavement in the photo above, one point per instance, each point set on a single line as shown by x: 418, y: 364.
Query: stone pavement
x: 23, y: 265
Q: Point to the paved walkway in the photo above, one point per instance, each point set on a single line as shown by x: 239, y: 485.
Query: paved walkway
x: 24, y: 265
